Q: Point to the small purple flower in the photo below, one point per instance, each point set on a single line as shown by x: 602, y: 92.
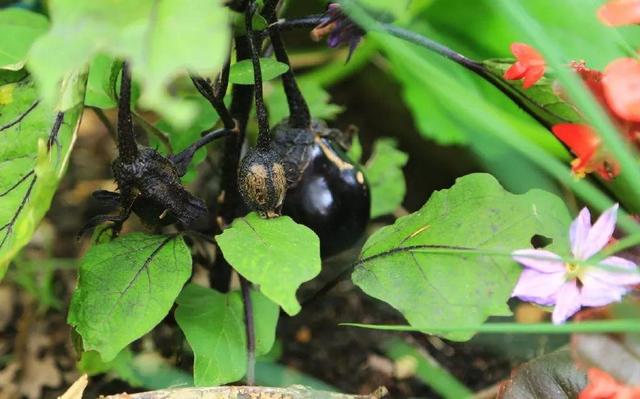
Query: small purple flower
x: 548, y: 280
x: 339, y: 29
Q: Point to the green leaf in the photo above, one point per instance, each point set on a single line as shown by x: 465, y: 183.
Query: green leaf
x: 213, y: 324
x: 434, y: 119
x: 160, y: 39
x: 276, y: 254
x: 21, y: 28
x: 101, y: 86
x: 428, y: 370
x: 122, y: 365
x: 355, y: 151
x: 392, y: 8
x: 242, y: 72
x: 452, y: 289
x: 317, y: 98
x: 29, y: 170
x: 384, y: 173
x: 126, y: 287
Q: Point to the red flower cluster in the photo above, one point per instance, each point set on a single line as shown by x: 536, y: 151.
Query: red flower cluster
x: 603, y: 386
x: 617, y: 90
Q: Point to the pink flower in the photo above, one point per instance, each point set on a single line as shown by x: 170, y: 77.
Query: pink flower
x: 548, y: 280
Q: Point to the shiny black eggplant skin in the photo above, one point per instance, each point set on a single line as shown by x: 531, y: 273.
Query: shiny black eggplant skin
x: 331, y: 197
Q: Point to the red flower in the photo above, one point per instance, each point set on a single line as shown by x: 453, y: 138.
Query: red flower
x: 621, y: 84
x: 620, y: 12
x: 586, y: 146
x: 529, y: 65
x: 603, y: 386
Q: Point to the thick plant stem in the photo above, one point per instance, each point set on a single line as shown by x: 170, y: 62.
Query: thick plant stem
x: 250, y: 329
x: 264, y: 135
x: 269, y: 8
x: 230, y: 202
x: 299, y: 115
x: 127, y: 147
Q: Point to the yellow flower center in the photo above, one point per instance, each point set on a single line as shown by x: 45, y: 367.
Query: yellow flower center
x: 573, y: 270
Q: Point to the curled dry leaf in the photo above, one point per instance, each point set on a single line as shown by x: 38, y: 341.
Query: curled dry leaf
x: 76, y: 390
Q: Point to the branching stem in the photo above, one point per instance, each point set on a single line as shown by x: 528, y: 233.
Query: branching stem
x: 217, y: 102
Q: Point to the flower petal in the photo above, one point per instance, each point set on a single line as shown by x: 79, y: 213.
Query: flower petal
x: 581, y: 139
x: 527, y: 54
x: 533, y: 75
x: 515, y: 71
x: 595, y: 292
x: 537, y: 287
x: 539, y: 259
x: 616, y: 271
x: 567, y: 302
x: 618, y: 13
x: 579, y: 231
x: 600, y: 233
x: 621, y: 83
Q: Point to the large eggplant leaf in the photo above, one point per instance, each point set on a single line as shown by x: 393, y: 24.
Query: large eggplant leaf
x: 35, y: 143
x: 277, y: 254
x: 449, y: 263
x: 214, y: 326
x: 126, y: 286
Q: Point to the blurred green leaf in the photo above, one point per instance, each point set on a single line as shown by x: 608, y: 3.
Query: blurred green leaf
x: 21, y: 28
x: 452, y: 289
x: 393, y: 8
x: 122, y: 365
x: 276, y: 254
x: 571, y: 24
x: 428, y: 370
x: 242, y: 72
x: 148, y: 370
x: 386, y: 180
x: 125, y: 287
x: 317, y: 98
x: 355, y: 151
x: 101, y: 86
x: 205, y: 119
x: 29, y: 170
x: 160, y: 39
x: 276, y: 375
x: 213, y: 324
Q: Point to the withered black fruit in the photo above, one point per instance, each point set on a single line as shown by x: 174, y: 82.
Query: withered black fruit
x: 151, y: 184
x: 327, y: 191
x: 262, y: 181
